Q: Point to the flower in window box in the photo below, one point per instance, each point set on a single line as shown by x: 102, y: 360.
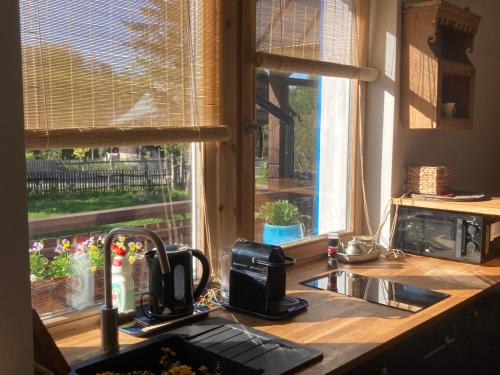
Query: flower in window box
x: 38, y: 263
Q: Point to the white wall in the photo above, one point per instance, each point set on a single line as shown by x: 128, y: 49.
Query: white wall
x: 16, y: 337
x: 381, y: 108
x: 473, y: 155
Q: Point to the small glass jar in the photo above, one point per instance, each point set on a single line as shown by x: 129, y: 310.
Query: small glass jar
x: 333, y: 247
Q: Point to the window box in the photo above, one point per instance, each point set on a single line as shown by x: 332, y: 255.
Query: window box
x: 49, y: 296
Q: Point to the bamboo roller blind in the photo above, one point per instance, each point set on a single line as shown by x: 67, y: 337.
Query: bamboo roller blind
x: 312, y: 34
x: 122, y: 72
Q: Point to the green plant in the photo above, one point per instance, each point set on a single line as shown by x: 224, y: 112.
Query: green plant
x: 81, y: 153
x: 280, y: 212
x: 132, y: 249
x: 56, y: 203
x: 60, y: 265
x: 94, y: 247
x: 38, y: 263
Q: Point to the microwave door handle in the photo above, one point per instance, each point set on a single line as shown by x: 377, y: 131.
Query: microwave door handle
x: 460, y: 239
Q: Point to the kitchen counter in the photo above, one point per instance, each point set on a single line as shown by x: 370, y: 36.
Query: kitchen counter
x: 348, y: 331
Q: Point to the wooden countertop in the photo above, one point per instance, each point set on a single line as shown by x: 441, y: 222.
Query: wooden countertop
x: 348, y: 331
x: 487, y: 207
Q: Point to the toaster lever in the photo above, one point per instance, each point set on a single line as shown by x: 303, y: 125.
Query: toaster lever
x: 289, y: 261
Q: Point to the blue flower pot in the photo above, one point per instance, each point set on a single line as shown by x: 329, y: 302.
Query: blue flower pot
x: 278, y: 234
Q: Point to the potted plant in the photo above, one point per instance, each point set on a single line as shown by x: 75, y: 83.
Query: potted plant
x: 49, y: 278
x: 282, y: 222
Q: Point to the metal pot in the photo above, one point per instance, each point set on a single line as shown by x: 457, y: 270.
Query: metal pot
x: 354, y: 247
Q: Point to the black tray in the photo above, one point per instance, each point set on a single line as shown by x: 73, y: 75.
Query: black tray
x: 293, y: 310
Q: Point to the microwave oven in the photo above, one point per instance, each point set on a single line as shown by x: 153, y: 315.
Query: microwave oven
x: 448, y: 235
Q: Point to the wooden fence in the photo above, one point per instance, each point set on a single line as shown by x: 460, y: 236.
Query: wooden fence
x: 104, y: 180
x: 51, y: 165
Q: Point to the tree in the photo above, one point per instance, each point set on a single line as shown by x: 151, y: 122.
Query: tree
x: 164, y: 53
x: 45, y: 154
x: 81, y: 153
x: 163, y: 48
x: 304, y: 101
x: 70, y: 90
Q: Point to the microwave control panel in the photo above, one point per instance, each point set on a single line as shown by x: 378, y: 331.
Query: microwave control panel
x: 472, y: 227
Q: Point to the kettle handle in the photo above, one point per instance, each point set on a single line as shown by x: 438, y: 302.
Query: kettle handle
x: 205, y: 274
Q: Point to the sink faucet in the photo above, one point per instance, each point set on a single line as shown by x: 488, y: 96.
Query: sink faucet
x: 109, y: 314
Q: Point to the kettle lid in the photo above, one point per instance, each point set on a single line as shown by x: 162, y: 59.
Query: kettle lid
x: 168, y: 248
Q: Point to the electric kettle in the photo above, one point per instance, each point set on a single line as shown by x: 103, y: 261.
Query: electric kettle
x: 172, y: 294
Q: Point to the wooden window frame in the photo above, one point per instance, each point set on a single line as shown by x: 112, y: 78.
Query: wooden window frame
x: 311, y: 248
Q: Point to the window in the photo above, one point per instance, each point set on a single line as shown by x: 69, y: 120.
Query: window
x: 306, y: 66
x: 114, y: 94
x: 303, y: 167
x: 76, y: 195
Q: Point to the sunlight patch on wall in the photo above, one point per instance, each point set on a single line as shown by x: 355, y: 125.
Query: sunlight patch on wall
x: 386, y: 159
x: 390, y: 56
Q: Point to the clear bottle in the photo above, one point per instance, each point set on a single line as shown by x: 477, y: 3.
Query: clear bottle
x: 122, y: 283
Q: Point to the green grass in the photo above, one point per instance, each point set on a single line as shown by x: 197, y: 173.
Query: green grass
x: 67, y: 203
x: 261, y: 174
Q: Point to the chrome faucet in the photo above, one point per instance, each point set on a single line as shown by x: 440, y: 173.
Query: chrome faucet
x: 109, y: 314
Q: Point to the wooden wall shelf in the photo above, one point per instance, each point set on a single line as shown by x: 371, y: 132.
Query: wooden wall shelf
x: 437, y: 77
x: 487, y: 207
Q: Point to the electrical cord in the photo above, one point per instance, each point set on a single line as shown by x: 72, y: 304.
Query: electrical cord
x: 213, y: 293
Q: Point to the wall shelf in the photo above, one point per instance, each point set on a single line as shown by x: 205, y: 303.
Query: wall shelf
x: 437, y: 77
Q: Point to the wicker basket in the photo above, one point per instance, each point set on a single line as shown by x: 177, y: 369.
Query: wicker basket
x: 428, y: 180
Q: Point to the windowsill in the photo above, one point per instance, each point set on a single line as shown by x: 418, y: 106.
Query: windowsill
x: 309, y: 250
x: 304, y: 251
x: 68, y: 324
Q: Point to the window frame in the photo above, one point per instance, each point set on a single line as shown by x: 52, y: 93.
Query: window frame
x: 310, y: 248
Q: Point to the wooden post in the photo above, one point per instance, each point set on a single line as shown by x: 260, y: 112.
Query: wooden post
x: 219, y: 222
x: 16, y: 340
x: 280, y: 134
x: 246, y: 162
x: 274, y: 140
